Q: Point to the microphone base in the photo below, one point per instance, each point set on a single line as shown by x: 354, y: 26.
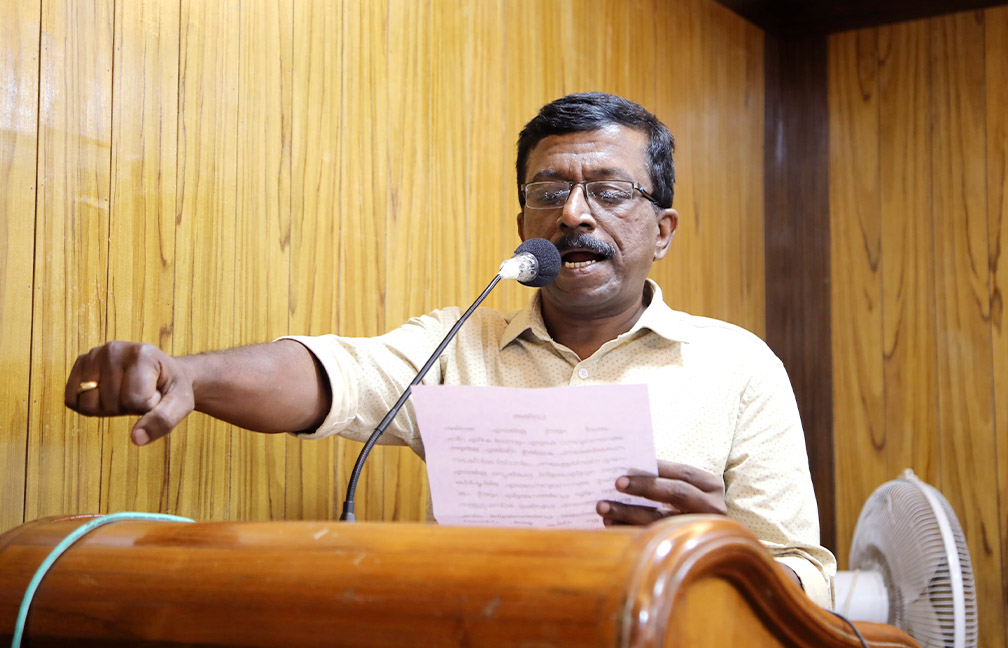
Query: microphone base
x: 348, y: 512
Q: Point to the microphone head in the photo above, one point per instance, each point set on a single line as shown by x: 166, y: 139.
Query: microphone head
x: 547, y: 257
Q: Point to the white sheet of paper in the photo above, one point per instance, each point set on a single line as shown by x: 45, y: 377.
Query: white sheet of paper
x: 500, y: 456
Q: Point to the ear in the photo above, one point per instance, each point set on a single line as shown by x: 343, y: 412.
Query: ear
x: 668, y: 221
x: 521, y: 225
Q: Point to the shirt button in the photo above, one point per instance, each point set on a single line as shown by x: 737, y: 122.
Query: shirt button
x: 582, y: 373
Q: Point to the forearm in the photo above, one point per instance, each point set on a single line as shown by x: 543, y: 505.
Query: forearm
x: 275, y: 387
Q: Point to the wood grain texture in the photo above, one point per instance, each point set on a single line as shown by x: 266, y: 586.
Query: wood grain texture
x: 19, y: 61
x: 206, y: 240
x: 797, y: 240
x: 490, y: 200
x: 996, y: 44
x: 677, y: 47
x: 965, y: 364
x: 71, y: 249
x: 319, y: 167
x: 315, y: 235
x: 262, y: 232
x: 141, y: 280
x: 856, y: 290
x: 907, y: 259
x: 941, y: 142
x: 688, y: 581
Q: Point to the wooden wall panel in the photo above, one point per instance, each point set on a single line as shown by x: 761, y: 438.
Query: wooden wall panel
x: 319, y: 167
x: 364, y: 199
x: 907, y: 257
x: 856, y: 291
x: 315, y: 235
x: 996, y: 42
x: 142, y: 237
x: 263, y: 232
x: 206, y: 239
x: 491, y: 205
x: 964, y: 364
x: 937, y: 404
x: 71, y: 249
x: 680, y: 49
x: 19, y: 60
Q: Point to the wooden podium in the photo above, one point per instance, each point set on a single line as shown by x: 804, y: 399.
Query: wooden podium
x: 690, y: 581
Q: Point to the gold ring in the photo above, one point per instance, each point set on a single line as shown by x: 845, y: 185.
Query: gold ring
x: 87, y: 385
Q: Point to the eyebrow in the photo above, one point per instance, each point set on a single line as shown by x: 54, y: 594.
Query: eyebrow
x: 606, y: 173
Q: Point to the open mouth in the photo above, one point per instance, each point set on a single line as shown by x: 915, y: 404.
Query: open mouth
x: 582, y: 250
x: 581, y: 259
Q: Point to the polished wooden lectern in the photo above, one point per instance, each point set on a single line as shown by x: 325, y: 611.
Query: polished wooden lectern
x: 690, y: 581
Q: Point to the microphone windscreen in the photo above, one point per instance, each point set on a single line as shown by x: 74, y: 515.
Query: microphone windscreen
x: 548, y: 257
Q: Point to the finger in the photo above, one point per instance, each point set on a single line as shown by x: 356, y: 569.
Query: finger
x: 89, y: 401
x: 176, y: 403
x: 619, y: 513
x: 138, y: 393
x: 110, y: 359
x: 702, y: 479
x: 677, y: 495
x: 73, y: 382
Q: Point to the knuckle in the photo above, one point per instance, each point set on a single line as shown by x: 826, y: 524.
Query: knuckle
x: 134, y: 401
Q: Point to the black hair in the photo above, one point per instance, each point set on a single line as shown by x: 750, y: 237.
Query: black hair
x: 588, y: 111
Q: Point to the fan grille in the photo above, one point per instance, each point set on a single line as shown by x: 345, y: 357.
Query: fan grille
x: 898, y: 535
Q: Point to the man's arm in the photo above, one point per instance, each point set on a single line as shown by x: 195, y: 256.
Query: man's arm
x: 276, y: 387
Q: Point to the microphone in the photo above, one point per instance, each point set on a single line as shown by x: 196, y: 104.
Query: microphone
x: 536, y: 262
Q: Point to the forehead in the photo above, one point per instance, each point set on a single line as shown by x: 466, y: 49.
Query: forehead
x: 612, y: 151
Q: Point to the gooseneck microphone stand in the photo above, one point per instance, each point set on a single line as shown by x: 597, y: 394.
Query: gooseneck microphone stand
x: 348, y: 504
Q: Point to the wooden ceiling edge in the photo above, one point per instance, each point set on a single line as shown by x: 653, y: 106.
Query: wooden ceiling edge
x: 785, y: 25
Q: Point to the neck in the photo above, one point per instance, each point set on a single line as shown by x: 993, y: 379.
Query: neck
x: 586, y: 333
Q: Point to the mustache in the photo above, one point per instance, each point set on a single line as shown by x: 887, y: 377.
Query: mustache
x: 583, y: 241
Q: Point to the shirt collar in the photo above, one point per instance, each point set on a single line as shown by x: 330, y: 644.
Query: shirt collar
x: 657, y: 317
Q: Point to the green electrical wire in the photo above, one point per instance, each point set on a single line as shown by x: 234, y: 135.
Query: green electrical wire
x: 65, y: 544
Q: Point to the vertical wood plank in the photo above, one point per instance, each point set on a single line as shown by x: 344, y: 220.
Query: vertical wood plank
x: 364, y: 203
x: 531, y: 33
x: 489, y: 186
x: 907, y: 259
x: 738, y: 179
x: 71, y: 247
x: 964, y: 363
x: 415, y: 209
x: 996, y: 42
x: 856, y: 301
x: 19, y: 78
x: 797, y: 245
x: 315, y: 235
x: 451, y: 260
x: 677, y: 61
x: 263, y: 232
x: 205, y: 274
x: 142, y: 237
x: 638, y: 50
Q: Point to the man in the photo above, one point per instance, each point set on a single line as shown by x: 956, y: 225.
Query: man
x: 595, y: 177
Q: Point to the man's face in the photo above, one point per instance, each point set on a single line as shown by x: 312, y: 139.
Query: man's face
x: 604, y: 275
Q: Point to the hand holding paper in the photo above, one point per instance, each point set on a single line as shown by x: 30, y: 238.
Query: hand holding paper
x: 678, y: 489
x: 533, y: 457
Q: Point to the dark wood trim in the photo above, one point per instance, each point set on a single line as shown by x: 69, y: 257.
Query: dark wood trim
x: 792, y: 18
x: 797, y: 245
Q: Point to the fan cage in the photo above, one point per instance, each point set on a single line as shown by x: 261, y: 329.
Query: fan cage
x: 899, y: 535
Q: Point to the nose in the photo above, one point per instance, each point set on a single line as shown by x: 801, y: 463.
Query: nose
x: 576, y: 211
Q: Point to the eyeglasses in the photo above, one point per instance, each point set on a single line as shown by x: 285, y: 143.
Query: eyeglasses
x: 609, y: 195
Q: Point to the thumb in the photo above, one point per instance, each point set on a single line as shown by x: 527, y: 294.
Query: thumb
x: 176, y: 403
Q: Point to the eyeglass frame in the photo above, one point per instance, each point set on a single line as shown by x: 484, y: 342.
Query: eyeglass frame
x: 584, y: 185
